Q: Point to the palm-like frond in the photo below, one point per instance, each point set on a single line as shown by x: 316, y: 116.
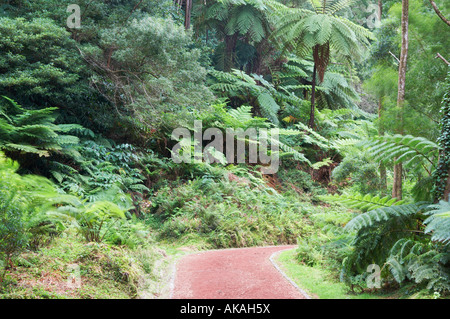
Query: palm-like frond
x: 32, y: 131
x: 303, y: 30
x: 362, y: 202
x: 413, y: 152
x: 438, y: 222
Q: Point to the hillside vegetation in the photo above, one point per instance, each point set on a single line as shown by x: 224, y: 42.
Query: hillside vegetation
x: 117, y: 158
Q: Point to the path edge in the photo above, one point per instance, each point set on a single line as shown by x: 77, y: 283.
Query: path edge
x: 272, y: 257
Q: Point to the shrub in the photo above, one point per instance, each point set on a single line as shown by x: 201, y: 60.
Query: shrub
x: 13, y: 236
x: 361, y: 173
x: 229, y: 214
x: 90, y: 219
x: 297, y: 178
x: 21, y: 198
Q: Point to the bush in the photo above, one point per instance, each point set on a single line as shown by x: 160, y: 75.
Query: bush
x: 360, y: 173
x: 297, y: 178
x: 20, y: 201
x: 13, y: 236
x: 90, y: 219
x: 229, y: 214
x: 131, y: 233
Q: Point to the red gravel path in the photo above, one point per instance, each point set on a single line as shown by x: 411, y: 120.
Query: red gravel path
x: 232, y: 274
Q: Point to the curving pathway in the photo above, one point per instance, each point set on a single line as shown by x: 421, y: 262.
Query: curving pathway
x: 246, y: 273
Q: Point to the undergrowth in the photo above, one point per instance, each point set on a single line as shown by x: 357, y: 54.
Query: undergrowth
x: 106, y: 271
x: 230, y: 212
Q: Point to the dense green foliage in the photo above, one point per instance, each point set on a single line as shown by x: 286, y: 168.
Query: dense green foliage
x: 87, y: 114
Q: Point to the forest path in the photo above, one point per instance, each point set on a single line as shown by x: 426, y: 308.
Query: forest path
x: 244, y: 273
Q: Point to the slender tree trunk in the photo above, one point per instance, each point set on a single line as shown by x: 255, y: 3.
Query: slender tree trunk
x: 187, y: 17
x: 397, y: 187
x: 380, y: 6
x: 441, y: 175
x: 230, y: 45
x: 313, y: 90
x: 383, y: 174
x: 313, y: 99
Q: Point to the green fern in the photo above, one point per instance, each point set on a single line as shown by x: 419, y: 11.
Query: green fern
x: 413, y: 152
x: 32, y: 131
x: 412, y: 260
x: 362, y: 202
x: 438, y: 222
x: 383, y: 214
x: 90, y: 218
x: 238, y: 84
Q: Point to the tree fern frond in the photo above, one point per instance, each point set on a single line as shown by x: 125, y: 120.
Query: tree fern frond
x: 242, y: 113
x: 269, y: 108
x: 438, y: 223
x: 25, y: 149
x: 410, y: 150
x: 382, y: 214
x: 362, y: 202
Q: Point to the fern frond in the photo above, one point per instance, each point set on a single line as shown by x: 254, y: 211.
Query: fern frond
x: 382, y: 214
x: 362, y: 202
x: 409, y: 150
x: 438, y: 223
x: 25, y: 149
x: 269, y: 107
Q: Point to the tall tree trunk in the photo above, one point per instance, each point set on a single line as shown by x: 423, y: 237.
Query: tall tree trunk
x: 383, y: 174
x: 313, y: 89
x: 313, y: 99
x: 380, y: 6
x: 187, y: 17
x: 230, y: 46
x: 397, y: 187
x: 441, y: 175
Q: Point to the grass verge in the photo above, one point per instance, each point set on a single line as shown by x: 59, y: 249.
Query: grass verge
x: 320, y: 283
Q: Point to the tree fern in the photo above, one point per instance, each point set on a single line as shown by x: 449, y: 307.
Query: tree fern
x: 438, y: 222
x: 239, y: 84
x: 419, y: 262
x: 231, y: 19
x: 381, y: 215
x: 376, y: 232
x: 319, y: 32
x: 362, y: 202
x: 32, y: 131
x: 413, y: 152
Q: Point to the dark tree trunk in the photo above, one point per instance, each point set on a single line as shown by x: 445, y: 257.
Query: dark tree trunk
x: 230, y: 46
x: 380, y: 6
x: 313, y: 99
x: 441, y: 175
x: 187, y: 17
